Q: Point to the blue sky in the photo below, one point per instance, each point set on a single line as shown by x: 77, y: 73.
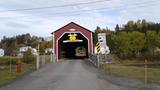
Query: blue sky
x: 41, y: 22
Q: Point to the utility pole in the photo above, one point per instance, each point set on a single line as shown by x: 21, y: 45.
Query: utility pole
x: 146, y: 73
x: 38, y: 54
x: 10, y: 66
x: 98, y: 61
x: 37, y: 61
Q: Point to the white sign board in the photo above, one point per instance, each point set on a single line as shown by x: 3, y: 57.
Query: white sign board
x: 102, y: 39
x: 104, y: 49
x: 1, y: 52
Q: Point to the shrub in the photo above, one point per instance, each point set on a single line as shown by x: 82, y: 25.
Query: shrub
x: 8, y: 60
x: 29, y: 59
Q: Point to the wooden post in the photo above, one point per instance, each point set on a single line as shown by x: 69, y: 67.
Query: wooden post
x: 10, y: 66
x: 98, y: 60
x: 146, y: 73
x: 37, y: 61
x: 43, y: 59
x: 51, y: 58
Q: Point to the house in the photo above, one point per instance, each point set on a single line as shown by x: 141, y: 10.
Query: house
x: 48, y: 50
x: 25, y: 49
x: 34, y: 51
x: 1, y: 52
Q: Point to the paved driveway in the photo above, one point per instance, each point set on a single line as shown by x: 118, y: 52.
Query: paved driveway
x: 67, y: 75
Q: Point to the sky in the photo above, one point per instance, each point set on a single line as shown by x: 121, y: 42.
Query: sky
x: 41, y: 17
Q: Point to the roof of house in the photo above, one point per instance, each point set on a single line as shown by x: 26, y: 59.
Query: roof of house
x: 72, y: 23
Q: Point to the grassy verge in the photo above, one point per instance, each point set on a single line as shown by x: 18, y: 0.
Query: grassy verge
x: 6, y: 76
x: 153, y: 74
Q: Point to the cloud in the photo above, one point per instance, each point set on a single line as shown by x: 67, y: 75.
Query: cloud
x: 16, y: 25
x: 42, y: 22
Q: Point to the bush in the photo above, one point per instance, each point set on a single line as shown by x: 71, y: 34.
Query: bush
x: 7, y: 60
x: 29, y: 59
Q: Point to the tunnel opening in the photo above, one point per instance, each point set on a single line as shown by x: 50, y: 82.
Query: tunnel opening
x: 73, y: 47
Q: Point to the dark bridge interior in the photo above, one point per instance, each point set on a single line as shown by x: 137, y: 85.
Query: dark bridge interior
x: 73, y: 50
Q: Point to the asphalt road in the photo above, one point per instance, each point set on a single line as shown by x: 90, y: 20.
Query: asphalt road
x: 67, y: 75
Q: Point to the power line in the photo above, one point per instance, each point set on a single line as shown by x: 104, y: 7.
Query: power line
x: 58, y: 6
x: 131, y: 6
x: 144, y: 4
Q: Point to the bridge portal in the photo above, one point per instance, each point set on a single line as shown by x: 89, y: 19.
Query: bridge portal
x: 72, y: 41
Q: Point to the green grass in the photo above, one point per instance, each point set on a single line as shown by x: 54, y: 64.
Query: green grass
x: 153, y: 74
x: 6, y: 76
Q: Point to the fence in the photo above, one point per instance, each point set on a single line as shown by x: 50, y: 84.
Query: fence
x: 45, y: 59
x: 144, y: 74
x: 10, y: 68
x: 97, y: 59
x: 93, y: 59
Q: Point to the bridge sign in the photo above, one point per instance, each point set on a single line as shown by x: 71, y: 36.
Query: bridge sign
x: 104, y: 49
x: 102, y: 39
x: 98, y: 47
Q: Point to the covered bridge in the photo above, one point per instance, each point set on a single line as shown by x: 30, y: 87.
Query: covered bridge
x: 72, y: 41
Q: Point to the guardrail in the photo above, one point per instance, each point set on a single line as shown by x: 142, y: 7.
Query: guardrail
x: 93, y: 59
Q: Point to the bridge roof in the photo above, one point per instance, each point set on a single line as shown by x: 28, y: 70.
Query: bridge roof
x: 72, y: 23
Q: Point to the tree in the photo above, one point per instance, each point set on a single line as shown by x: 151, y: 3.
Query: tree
x: 42, y: 47
x: 117, y: 29
x: 137, y: 41
x: 121, y: 43
x: 48, y: 44
x: 28, y: 57
x: 98, y: 30
x: 14, y: 47
x: 144, y: 25
x: 130, y: 26
x: 130, y: 43
x: 152, y: 40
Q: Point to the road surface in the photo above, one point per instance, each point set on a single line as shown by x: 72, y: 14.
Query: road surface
x: 67, y: 75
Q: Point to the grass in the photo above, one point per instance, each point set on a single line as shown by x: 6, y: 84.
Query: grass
x: 153, y: 74
x: 6, y: 76
x: 6, y: 60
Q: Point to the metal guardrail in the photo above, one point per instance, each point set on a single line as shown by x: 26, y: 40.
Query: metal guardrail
x: 93, y: 59
x: 96, y: 59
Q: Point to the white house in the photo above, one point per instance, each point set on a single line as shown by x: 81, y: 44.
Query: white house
x: 1, y: 52
x: 48, y: 50
x: 34, y: 51
x: 25, y: 49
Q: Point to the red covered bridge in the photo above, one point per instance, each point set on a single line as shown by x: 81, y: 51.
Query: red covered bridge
x: 72, y: 41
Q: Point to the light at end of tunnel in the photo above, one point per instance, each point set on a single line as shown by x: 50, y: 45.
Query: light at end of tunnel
x: 66, y: 41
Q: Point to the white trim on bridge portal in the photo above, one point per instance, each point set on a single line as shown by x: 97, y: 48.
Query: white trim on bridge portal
x: 70, y: 32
